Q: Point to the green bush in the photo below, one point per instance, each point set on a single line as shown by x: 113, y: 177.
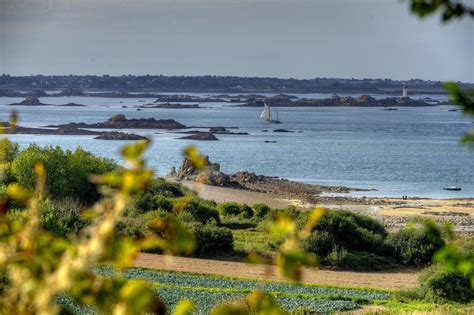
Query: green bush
x: 212, y: 240
x: 346, y: 230
x: 320, y: 243
x: 163, y: 188
x: 202, y: 211
x: 68, y: 171
x: 413, y: 246
x: 229, y: 209
x: 136, y: 228
x: 8, y: 153
x: 51, y: 220
x: 359, y: 261
x: 440, y: 286
x: 260, y: 210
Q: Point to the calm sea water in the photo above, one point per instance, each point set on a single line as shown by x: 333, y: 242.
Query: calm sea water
x: 412, y: 151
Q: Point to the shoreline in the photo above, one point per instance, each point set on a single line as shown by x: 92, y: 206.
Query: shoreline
x: 393, y: 212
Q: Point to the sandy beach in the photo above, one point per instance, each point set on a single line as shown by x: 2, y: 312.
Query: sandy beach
x: 393, y: 212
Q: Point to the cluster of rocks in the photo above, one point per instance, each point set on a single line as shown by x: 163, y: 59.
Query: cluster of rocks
x: 116, y: 135
x: 224, y: 131
x: 120, y: 122
x: 34, y: 101
x: 172, y: 106
x: 362, y: 100
x: 30, y: 101
x: 202, y: 136
x: 210, y: 175
x: 71, y: 131
x: 209, y: 135
x: 186, y: 98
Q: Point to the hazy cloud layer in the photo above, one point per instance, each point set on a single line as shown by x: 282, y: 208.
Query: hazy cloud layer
x: 302, y: 39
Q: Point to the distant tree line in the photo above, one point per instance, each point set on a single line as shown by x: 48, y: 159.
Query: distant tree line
x: 214, y: 83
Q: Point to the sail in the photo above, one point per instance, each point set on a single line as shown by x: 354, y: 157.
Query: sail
x: 266, y: 113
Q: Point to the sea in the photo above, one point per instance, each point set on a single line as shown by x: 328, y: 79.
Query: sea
x: 412, y: 152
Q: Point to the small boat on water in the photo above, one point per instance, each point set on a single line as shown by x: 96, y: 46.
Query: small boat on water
x: 455, y: 187
x: 266, y: 115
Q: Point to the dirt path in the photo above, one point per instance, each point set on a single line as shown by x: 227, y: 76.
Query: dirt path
x: 223, y: 194
x: 376, y: 280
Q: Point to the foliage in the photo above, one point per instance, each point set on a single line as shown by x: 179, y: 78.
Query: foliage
x: 290, y: 257
x: 8, y: 153
x: 61, y: 266
x: 359, y: 261
x: 450, y: 9
x: 201, y: 210
x: 248, y: 241
x: 465, y: 99
x: 260, y: 210
x: 235, y: 209
x: 414, y: 246
x: 211, y: 239
x: 441, y: 286
x: 346, y: 230
x: 68, y: 172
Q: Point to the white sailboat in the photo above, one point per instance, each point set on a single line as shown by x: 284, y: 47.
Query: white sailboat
x: 455, y: 187
x: 266, y: 115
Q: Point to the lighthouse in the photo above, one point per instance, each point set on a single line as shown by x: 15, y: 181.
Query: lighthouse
x: 405, y: 90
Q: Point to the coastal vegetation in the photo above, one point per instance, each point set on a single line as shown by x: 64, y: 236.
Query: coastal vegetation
x: 167, y: 218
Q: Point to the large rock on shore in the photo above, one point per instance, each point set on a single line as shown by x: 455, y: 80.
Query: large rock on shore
x: 210, y: 175
x: 121, y: 122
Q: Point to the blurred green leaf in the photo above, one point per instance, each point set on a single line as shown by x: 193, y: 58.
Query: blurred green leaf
x: 184, y: 307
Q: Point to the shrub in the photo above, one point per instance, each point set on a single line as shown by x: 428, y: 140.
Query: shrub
x: 440, y: 286
x: 67, y: 171
x: 8, y: 153
x: 359, y: 261
x: 211, y: 239
x: 346, y: 230
x: 260, y: 210
x: 163, y: 203
x: 229, y: 209
x: 201, y: 210
x: 51, y: 220
x: 413, y: 246
x: 320, y: 243
x: 69, y: 210
x: 136, y: 228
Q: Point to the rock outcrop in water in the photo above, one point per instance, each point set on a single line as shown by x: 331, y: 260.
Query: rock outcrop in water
x: 186, y: 98
x: 116, y: 135
x: 71, y: 105
x: 201, y: 136
x: 119, y: 121
x: 172, y: 106
x: 338, y: 101
x: 30, y: 101
x: 72, y: 131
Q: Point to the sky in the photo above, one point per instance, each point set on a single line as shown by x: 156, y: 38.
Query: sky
x: 264, y: 38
